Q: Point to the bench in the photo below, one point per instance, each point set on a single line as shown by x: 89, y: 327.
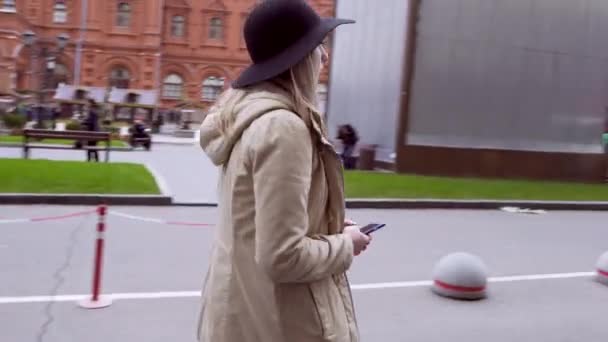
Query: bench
x: 83, y: 136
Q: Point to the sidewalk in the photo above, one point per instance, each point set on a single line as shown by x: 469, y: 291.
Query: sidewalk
x: 171, y: 140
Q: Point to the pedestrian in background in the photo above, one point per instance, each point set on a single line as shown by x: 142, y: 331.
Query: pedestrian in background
x: 349, y: 138
x: 91, y: 123
x: 277, y: 272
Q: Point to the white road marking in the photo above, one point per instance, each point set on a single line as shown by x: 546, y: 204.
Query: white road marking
x: 490, y: 280
x: 541, y: 277
x: 192, y: 294
x: 392, y: 285
x: 134, y: 217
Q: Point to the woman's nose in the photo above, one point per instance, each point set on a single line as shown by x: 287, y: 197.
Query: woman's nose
x: 324, y: 56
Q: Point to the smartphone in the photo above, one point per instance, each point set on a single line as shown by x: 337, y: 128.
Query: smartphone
x: 372, y: 227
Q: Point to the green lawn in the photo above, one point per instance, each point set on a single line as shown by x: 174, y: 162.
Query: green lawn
x: 45, y: 176
x: 15, y: 139
x: 386, y: 185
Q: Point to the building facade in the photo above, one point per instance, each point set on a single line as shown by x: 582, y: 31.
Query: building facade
x: 373, y: 78
x: 188, y: 50
x: 493, y: 88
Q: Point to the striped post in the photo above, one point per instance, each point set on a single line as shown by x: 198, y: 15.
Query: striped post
x: 97, y: 301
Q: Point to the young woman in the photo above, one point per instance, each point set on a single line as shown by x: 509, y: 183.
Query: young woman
x: 277, y: 271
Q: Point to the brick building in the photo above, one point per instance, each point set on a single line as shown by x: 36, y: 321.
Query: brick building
x: 186, y: 49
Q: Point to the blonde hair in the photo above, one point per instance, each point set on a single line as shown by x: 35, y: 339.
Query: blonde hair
x: 300, y: 81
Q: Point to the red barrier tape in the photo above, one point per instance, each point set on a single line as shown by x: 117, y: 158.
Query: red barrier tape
x: 50, y: 218
x: 92, y: 211
x: 158, y: 221
x: 192, y: 224
x: 5, y: 220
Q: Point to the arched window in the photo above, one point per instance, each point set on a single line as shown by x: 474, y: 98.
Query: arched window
x: 60, y: 12
x: 212, y: 88
x: 178, y: 26
x: 120, y: 77
x: 172, y: 86
x: 216, y: 29
x: 123, y: 15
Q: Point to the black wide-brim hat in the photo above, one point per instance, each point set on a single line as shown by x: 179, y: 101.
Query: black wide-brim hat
x: 279, y: 34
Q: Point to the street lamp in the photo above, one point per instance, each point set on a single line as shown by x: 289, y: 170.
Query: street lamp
x: 29, y: 40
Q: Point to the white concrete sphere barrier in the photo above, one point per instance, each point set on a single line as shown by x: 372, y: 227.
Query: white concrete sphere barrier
x: 460, y: 276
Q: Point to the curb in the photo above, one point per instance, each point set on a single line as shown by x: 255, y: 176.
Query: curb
x: 175, y: 143
x: 195, y: 204
x: 473, y: 204
x: 448, y: 204
x: 166, y: 200
x: 160, y: 180
x: 112, y: 149
x: 95, y: 199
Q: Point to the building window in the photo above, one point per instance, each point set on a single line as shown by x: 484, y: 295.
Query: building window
x: 123, y: 16
x: 216, y: 29
x: 178, y: 25
x: 322, y: 97
x: 172, y: 87
x: 212, y: 88
x: 8, y: 6
x: 60, y: 13
x: 120, y: 77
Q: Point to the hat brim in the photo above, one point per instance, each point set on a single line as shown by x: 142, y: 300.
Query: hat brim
x: 291, y: 56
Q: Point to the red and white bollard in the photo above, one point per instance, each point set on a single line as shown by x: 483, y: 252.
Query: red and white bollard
x: 98, y: 301
x: 602, y: 269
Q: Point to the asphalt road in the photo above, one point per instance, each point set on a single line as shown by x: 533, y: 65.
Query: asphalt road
x: 147, y: 257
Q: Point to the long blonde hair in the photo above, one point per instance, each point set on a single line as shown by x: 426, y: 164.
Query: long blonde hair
x: 300, y: 81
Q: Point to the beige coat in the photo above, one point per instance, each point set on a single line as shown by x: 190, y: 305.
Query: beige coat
x: 277, y: 271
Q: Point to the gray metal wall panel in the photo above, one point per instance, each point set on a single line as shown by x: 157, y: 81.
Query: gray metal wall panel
x: 512, y: 74
x: 366, y: 73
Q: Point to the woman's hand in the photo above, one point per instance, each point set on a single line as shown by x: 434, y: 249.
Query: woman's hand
x: 360, y: 240
x: 349, y: 222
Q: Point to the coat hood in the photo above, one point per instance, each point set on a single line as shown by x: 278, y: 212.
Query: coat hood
x: 260, y: 99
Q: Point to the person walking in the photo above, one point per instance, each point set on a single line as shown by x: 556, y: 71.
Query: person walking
x: 349, y: 138
x: 91, y: 123
x: 277, y: 272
